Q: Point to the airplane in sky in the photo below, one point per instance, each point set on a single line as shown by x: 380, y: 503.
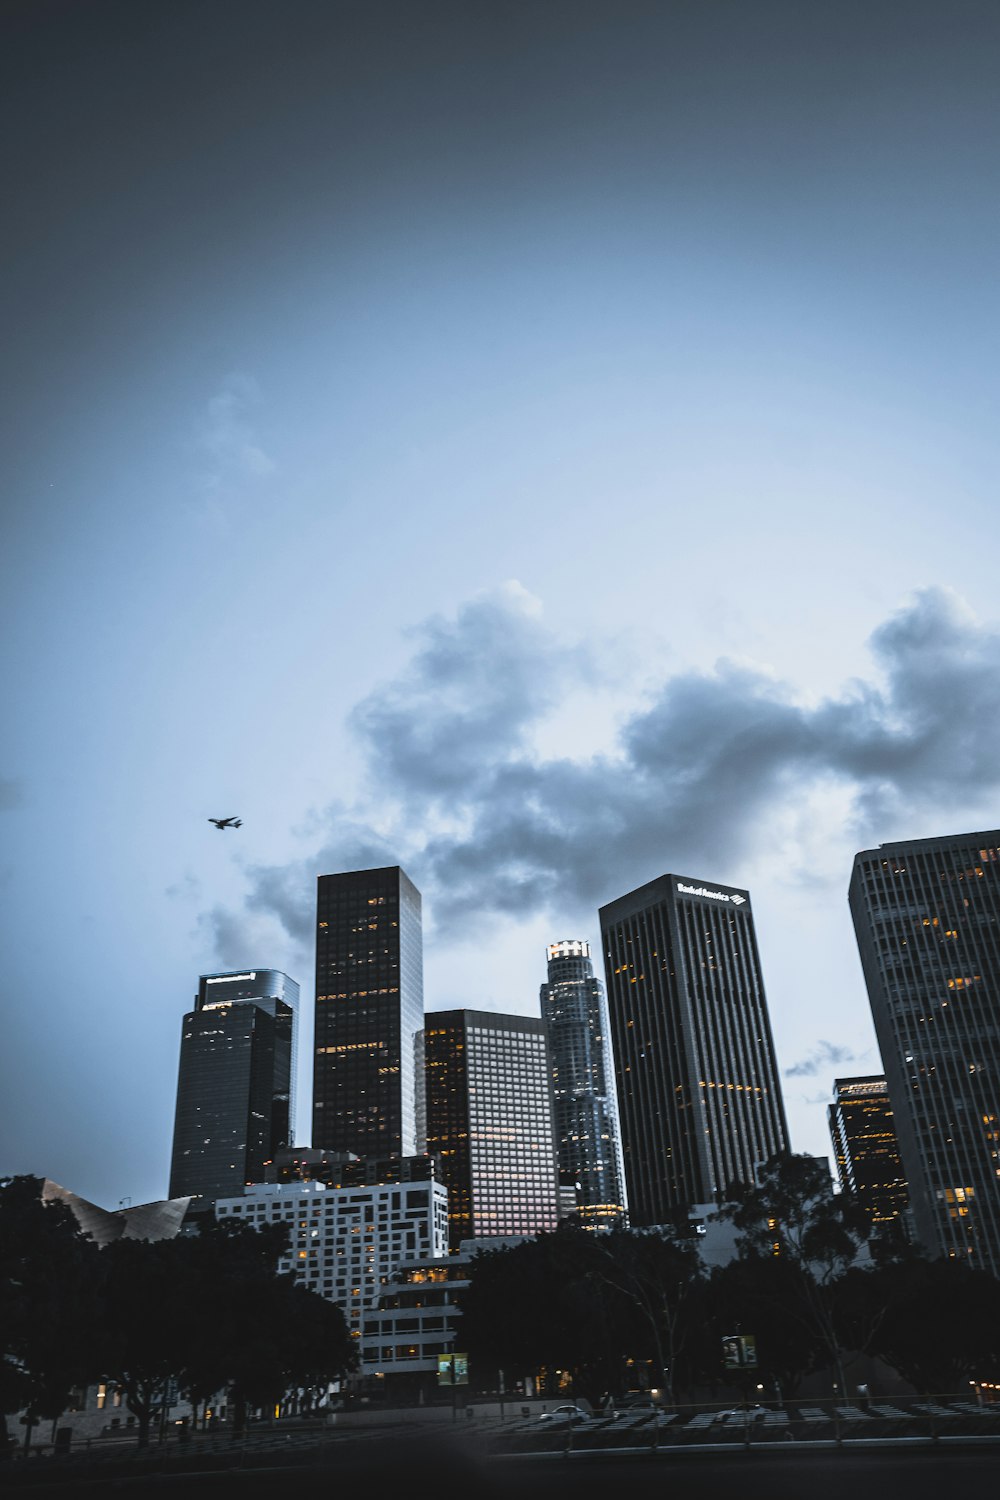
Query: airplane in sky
x: 227, y: 822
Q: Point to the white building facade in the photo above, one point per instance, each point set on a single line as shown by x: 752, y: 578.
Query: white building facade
x: 345, y: 1243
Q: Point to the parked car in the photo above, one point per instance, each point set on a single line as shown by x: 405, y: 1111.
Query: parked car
x: 567, y: 1414
x: 639, y: 1406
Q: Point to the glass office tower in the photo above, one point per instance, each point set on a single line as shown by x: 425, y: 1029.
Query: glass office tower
x: 927, y: 917
x: 585, y: 1117
x: 865, y: 1147
x: 235, y: 1083
x: 699, y: 1097
x: 489, y: 1122
x: 369, y: 1012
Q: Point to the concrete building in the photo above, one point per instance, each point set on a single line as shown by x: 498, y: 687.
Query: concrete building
x: 345, y: 1242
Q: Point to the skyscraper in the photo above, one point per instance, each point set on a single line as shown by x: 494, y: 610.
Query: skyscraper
x: 489, y: 1122
x: 699, y: 1098
x: 586, y: 1122
x: 865, y: 1147
x: 927, y: 918
x: 235, y: 1082
x: 369, y: 1012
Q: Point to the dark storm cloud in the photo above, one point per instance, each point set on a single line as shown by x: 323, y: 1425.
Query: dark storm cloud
x: 825, y: 1055
x: 473, y: 692
x: 699, y: 772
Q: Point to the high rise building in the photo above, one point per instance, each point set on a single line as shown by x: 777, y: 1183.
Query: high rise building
x: 585, y: 1117
x: 865, y: 1147
x: 489, y: 1122
x: 699, y: 1099
x: 927, y: 918
x: 369, y: 1012
x: 235, y: 1083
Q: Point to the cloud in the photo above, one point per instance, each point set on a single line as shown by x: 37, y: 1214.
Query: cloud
x: 228, y: 435
x: 698, y: 777
x: 474, y: 689
x: 825, y: 1055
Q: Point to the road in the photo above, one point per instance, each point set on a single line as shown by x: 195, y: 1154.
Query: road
x: 377, y: 1466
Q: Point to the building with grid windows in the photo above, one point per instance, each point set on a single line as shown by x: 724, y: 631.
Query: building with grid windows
x: 345, y: 1242
x: 488, y: 1111
x: 865, y: 1147
x: 699, y: 1099
x: 927, y: 918
x: 585, y: 1117
x: 235, y: 1083
x: 369, y: 1012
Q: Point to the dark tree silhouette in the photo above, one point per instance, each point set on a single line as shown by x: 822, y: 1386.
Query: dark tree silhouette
x: 582, y: 1303
x: 940, y: 1325
x: 48, y: 1308
x: 213, y: 1311
x: 792, y: 1213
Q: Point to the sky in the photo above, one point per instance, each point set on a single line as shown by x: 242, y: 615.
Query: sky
x: 543, y: 445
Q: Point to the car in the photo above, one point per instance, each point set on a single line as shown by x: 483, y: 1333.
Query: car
x: 637, y: 1404
x: 753, y: 1413
x: 568, y: 1414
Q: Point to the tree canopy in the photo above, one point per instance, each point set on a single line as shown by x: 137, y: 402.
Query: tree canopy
x: 209, y: 1311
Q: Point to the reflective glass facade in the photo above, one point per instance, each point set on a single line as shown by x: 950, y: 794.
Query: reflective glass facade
x: 865, y: 1147
x: 234, y: 1083
x: 927, y: 917
x: 585, y: 1117
x: 489, y: 1122
x: 369, y: 1011
x: 699, y: 1098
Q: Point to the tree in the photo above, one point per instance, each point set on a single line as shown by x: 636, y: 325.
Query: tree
x: 655, y: 1274
x: 940, y: 1325
x: 535, y: 1307
x: 147, y: 1320
x: 213, y: 1312
x: 48, y: 1310
x: 586, y: 1302
x: 760, y: 1295
x: 252, y: 1328
x: 792, y: 1212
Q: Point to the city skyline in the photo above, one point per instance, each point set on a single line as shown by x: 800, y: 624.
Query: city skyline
x: 534, y: 446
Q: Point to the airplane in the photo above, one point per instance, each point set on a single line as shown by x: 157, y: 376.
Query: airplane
x: 227, y: 822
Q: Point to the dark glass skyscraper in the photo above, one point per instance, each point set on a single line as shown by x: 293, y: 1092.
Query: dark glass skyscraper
x: 369, y: 1012
x: 235, y: 1083
x: 586, y: 1122
x: 489, y: 1122
x: 866, y: 1148
x: 699, y: 1098
x: 927, y: 917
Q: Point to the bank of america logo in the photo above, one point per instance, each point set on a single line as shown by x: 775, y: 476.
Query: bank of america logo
x: 700, y: 890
